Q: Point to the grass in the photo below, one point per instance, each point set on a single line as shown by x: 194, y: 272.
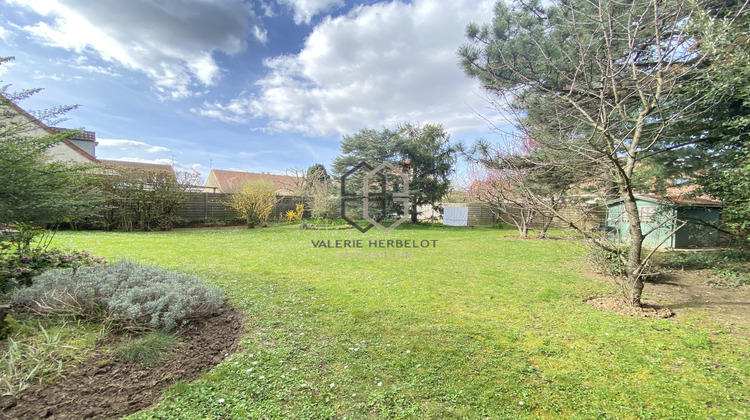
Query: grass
x: 146, y: 350
x: 38, y: 349
x: 476, y: 327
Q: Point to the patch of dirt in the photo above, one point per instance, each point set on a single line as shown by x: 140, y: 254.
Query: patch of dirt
x: 617, y: 305
x: 105, y: 388
x: 684, y: 292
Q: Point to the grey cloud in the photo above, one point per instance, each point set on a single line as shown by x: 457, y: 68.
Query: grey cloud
x: 172, y: 42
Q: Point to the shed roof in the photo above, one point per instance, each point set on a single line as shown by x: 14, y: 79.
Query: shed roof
x: 682, y: 201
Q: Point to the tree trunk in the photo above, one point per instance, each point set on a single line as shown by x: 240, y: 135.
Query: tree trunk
x: 525, y: 222
x: 545, y: 227
x: 414, y: 213
x: 633, y: 267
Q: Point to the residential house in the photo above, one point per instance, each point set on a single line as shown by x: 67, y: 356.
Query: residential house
x: 222, y: 181
x: 79, y: 149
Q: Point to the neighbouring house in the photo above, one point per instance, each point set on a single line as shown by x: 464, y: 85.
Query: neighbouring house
x: 84, y: 140
x: 114, y: 164
x: 661, y: 215
x: 222, y: 181
x: 79, y: 149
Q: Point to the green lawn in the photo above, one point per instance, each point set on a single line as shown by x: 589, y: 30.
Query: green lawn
x: 479, y: 326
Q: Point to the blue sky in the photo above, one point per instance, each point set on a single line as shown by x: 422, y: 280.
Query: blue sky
x: 259, y: 86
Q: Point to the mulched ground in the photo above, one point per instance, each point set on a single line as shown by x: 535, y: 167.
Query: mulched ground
x: 105, y: 388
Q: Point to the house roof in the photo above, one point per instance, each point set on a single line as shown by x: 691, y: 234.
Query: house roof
x: 692, y: 201
x: 49, y: 130
x: 80, y: 135
x: 136, y: 165
x: 231, y: 180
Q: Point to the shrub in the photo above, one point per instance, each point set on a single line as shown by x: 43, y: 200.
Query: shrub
x: 606, y: 261
x: 18, y: 268
x: 135, y: 198
x: 323, y: 205
x: 254, y: 202
x: 128, y: 294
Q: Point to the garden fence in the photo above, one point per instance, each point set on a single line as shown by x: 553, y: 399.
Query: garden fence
x: 207, y: 207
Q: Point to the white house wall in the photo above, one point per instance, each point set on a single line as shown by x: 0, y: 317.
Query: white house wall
x: 63, y: 153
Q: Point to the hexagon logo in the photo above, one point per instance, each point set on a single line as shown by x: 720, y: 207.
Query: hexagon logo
x: 382, y: 197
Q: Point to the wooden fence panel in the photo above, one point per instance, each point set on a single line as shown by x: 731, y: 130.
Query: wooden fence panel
x: 209, y: 207
x: 585, y: 217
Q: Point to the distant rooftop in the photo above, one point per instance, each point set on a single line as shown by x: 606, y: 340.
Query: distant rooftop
x: 81, y: 135
x: 228, y: 181
x: 137, y: 165
x: 690, y: 201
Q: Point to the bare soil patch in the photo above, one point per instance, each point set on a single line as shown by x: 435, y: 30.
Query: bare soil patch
x: 104, y: 387
x: 617, y: 304
x: 683, y: 293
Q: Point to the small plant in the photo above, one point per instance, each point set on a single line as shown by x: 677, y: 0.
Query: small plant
x: 146, y: 350
x: 502, y: 225
x: 729, y: 277
x: 296, y: 214
x: 127, y: 294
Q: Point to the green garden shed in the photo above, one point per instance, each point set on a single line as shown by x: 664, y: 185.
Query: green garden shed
x: 653, y: 210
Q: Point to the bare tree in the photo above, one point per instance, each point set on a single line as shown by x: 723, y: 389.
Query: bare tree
x: 602, y: 80
x: 502, y: 185
x: 294, y: 179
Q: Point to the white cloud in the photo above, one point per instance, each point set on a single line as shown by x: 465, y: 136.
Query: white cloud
x: 305, y: 10
x: 267, y: 8
x: 107, y: 71
x: 38, y: 75
x: 130, y: 145
x: 171, y: 42
x: 255, y: 154
x: 378, y: 65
